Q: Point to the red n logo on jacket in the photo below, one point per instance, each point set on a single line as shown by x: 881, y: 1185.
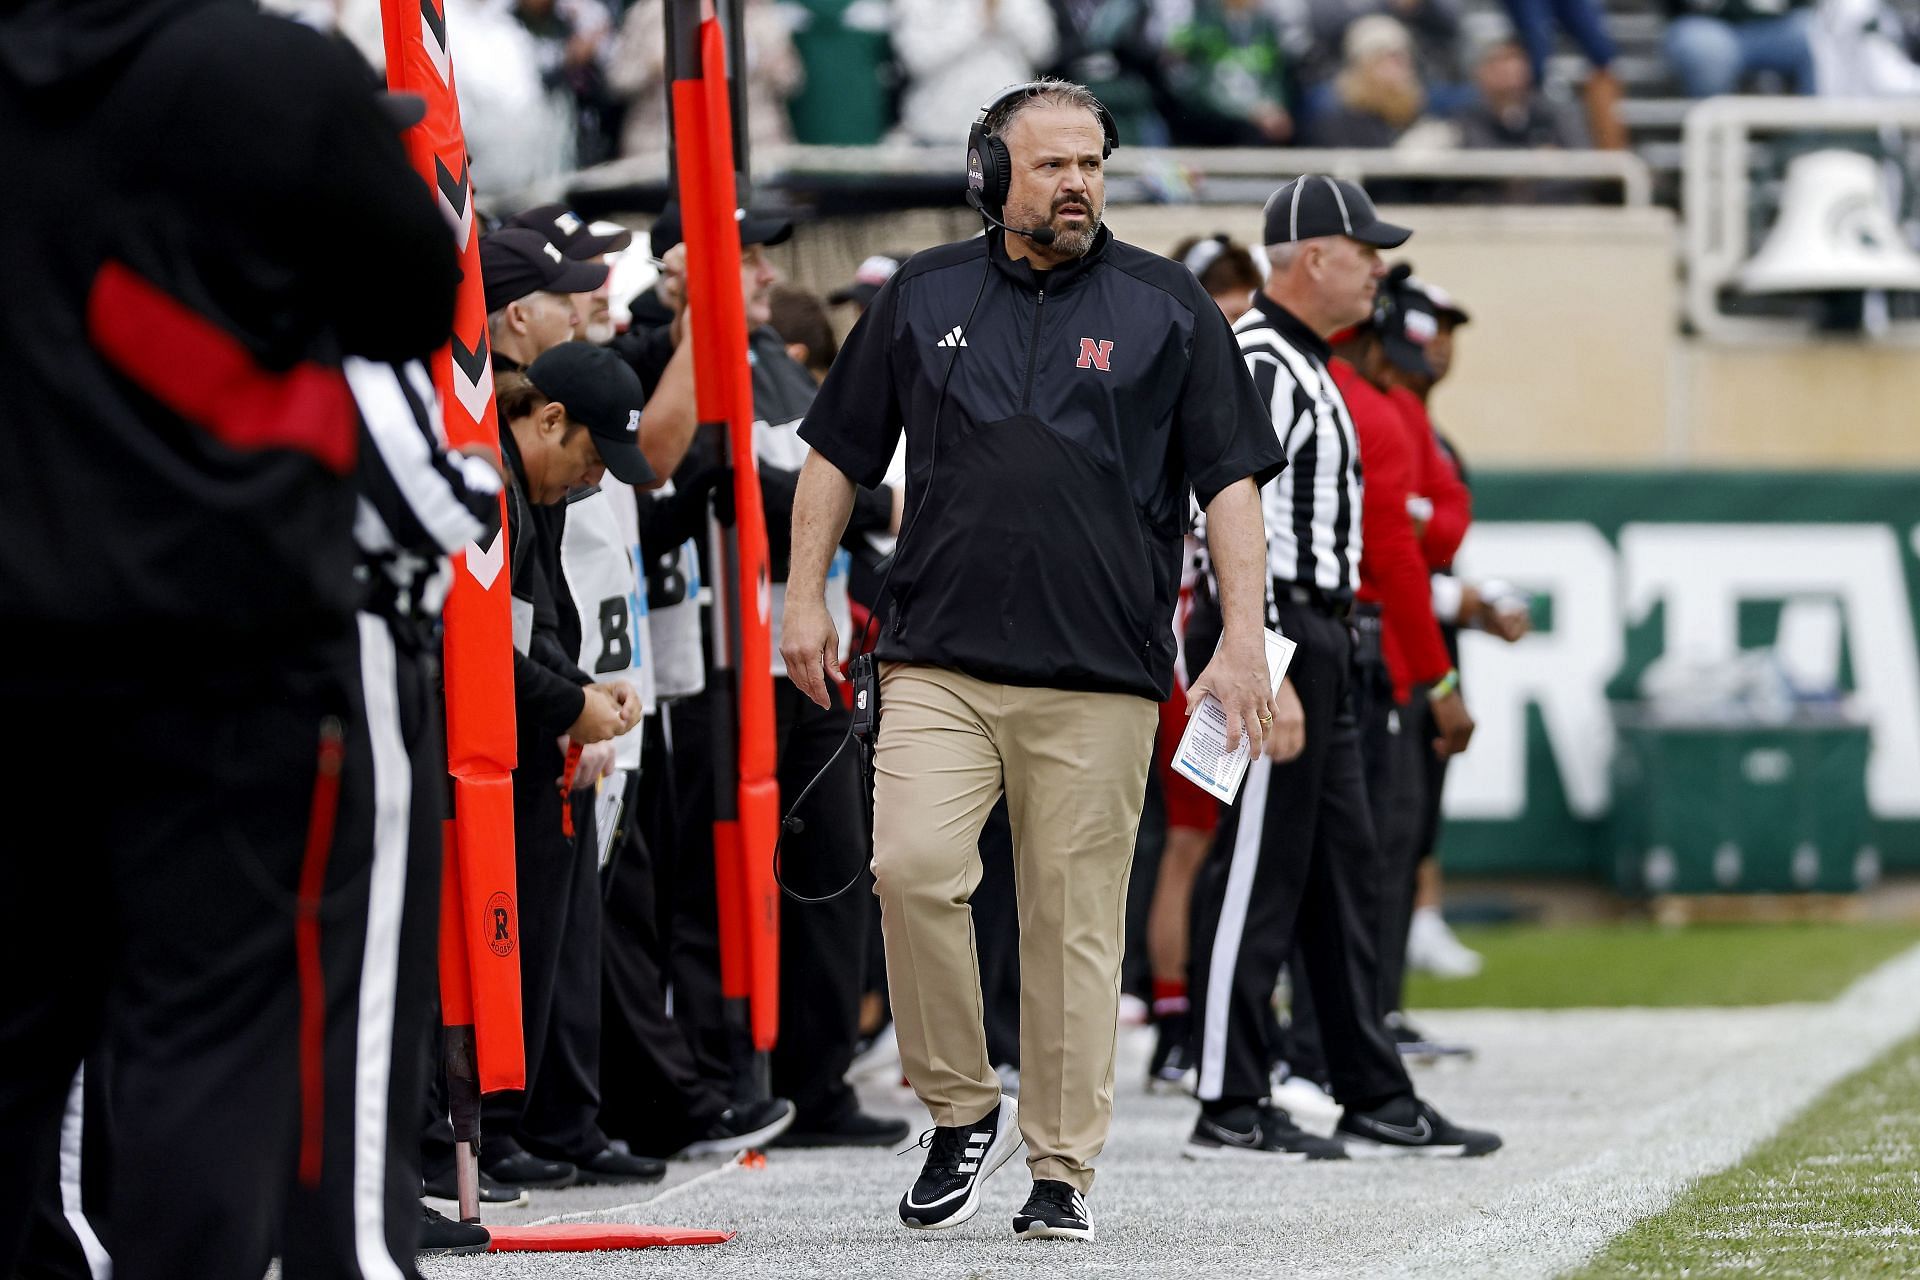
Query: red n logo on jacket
x: 1094, y: 354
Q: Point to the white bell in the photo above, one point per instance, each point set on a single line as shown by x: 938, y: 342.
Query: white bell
x: 1835, y: 232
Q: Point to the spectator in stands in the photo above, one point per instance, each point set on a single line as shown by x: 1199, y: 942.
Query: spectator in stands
x: 844, y: 48
x: 958, y: 54
x: 638, y: 71
x: 1225, y: 268
x: 1433, y: 24
x: 572, y: 39
x: 1511, y: 112
x: 800, y: 318
x: 1714, y: 45
x: 1113, y: 47
x: 1229, y: 76
x: 1585, y: 23
x: 519, y: 129
x: 1378, y: 95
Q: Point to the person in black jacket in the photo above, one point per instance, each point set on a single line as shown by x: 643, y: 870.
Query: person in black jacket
x: 570, y: 415
x: 1063, y: 395
x: 218, y: 214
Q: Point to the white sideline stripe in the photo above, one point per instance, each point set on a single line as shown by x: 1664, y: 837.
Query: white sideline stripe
x: 588, y: 1215
x: 1233, y: 922
x: 99, y: 1264
x: 380, y: 961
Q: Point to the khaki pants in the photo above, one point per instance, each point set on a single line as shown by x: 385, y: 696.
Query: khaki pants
x: 1074, y: 768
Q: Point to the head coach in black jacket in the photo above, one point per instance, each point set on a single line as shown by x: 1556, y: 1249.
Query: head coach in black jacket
x: 1061, y: 393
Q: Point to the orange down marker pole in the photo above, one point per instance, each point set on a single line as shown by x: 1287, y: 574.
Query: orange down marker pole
x: 479, y: 940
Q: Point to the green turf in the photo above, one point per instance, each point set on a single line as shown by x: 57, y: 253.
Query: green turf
x: 1626, y: 965
x: 1836, y: 1193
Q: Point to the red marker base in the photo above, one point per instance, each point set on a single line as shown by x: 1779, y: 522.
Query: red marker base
x: 590, y: 1237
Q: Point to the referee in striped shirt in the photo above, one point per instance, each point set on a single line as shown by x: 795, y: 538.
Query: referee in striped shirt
x: 1295, y: 858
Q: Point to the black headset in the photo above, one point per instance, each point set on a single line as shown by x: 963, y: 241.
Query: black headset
x: 990, y: 168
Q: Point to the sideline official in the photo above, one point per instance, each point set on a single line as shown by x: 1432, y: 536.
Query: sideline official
x: 1296, y: 854
x: 1055, y: 424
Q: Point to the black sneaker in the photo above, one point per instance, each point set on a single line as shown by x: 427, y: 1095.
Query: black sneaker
x: 446, y: 1186
x: 1257, y: 1131
x: 524, y: 1169
x: 1055, y: 1211
x: 742, y: 1127
x: 610, y: 1166
x: 959, y: 1159
x: 1410, y: 1127
x: 855, y: 1128
x: 1171, y: 1066
x: 442, y: 1237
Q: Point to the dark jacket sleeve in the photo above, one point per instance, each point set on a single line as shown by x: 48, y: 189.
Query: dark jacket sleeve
x: 855, y: 421
x: 1223, y: 429
x: 547, y: 690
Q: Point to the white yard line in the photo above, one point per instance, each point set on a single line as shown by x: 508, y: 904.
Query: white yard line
x: 615, y: 1213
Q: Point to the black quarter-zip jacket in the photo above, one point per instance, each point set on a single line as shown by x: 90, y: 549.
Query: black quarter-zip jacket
x: 1042, y: 540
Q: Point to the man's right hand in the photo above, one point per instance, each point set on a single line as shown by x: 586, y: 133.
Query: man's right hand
x: 810, y: 645
x: 1455, y: 725
x: 600, y: 717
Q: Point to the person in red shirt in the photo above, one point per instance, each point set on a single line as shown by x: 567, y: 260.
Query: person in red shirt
x: 1414, y: 513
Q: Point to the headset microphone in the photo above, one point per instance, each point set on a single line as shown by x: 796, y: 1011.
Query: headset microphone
x: 1039, y: 235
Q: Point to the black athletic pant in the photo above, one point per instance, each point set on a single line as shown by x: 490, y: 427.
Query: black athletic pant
x: 70, y: 1238
x: 682, y: 844
x: 1294, y: 858
x: 559, y: 897
x: 254, y: 1112
x: 823, y: 950
x: 653, y: 1095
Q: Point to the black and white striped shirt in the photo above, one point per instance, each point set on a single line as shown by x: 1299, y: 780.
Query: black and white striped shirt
x: 1312, y: 509
x: 419, y: 502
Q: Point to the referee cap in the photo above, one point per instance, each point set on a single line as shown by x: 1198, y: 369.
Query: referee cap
x: 1316, y: 205
x: 602, y: 393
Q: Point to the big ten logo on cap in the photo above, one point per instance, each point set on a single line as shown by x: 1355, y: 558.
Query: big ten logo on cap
x: 498, y: 925
x: 633, y: 420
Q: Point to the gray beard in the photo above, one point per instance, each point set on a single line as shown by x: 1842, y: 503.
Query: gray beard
x: 1075, y: 244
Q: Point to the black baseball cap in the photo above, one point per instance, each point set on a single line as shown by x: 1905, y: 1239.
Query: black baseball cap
x: 1404, y: 321
x: 517, y: 261
x: 602, y: 393
x: 1316, y: 205
x: 572, y: 234
x: 757, y: 226
x: 1439, y: 301
x: 874, y: 272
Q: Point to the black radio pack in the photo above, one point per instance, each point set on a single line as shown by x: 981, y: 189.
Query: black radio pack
x: 866, y: 698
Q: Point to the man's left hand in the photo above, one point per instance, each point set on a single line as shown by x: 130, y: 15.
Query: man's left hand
x: 1237, y: 676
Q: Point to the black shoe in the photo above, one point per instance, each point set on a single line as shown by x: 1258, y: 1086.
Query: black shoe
x: 742, y: 1127
x: 1172, y: 1061
x: 853, y: 1128
x: 1257, y: 1131
x: 1055, y: 1211
x: 524, y: 1169
x: 959, y: 1159
x: 442, y: 1237
x: 1410, y: 1127
x: 446, y: 1186
x: 608, y: 1165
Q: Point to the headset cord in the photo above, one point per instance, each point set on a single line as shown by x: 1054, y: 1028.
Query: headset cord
x: 790, y: 821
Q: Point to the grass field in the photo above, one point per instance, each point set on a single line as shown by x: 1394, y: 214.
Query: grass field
x: 1836, y: 1193
x: 1644, y: 965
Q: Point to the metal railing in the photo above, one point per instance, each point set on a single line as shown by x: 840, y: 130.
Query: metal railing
x: 1717, y: 192
x: 1187, y: 167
